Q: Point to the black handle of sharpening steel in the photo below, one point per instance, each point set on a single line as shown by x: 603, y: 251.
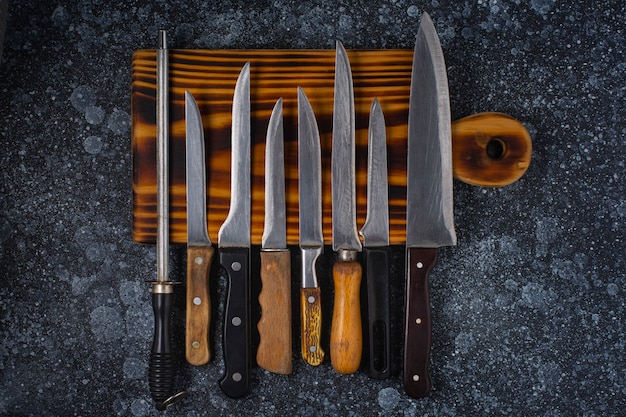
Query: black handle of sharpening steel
x: 161, y: 371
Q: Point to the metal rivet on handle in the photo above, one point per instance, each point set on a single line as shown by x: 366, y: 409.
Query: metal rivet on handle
x: 195, y: 345
x: 199, y: 260
x: 416, y: 378
x: 197, y: 301
x: 418, y: 321
x: 311, y: 299
x: 236, y: 266
x: 420, y: 265
x: 236, y: 377
x: 236, y: 321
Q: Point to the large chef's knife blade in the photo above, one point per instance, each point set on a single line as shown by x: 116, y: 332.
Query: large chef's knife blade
x: 274, y: 351
x: 234, y: 245
x: 346, y: 338
x: 199, y: 248
x: 430, y: 220
x: 310, y: 229
x: 375, y: 233
x: 161, y: 369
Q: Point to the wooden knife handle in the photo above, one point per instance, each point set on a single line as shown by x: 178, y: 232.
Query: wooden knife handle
x: 346, y: 334
x: 311, y: 325
x: 418, y: 322
x: 490, y: 149
x: 198, y: 319
x: 274, y: 351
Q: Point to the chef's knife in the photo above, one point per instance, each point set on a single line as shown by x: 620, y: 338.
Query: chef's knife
x: 199, y: 248
x: 310, y: 229
x: 161, y: 369
x: 234, y: 247
x: 430, y: 220
x: 274, y: 351
x: 346, y: 338
x: 375, y: 233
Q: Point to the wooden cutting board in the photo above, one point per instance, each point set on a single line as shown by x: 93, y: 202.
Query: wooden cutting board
x: 210, y: 75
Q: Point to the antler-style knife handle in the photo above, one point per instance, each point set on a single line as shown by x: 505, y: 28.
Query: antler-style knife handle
x: 311, y: 325
x: 378, y: 332
x: 346, y: 334
x: 418, y: 322
x: 311, y: 308
x: 235, y: 381
x: 198, y: 320
x: 490, y: 149
x: 274, y: 351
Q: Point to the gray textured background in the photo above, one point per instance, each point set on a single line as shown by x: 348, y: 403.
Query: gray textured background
x: 528, y: 309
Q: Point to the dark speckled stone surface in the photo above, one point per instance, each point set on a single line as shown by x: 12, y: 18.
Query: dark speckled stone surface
x: 528, y: 309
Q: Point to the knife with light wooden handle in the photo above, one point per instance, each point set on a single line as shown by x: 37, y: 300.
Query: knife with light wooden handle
x: 346, y: 336
x: 199, y: 248
x: 274, y: 351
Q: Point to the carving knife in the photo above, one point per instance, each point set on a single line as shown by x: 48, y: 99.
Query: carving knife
x: 274, y: 351
x: 161, y: 369
x: 311, y: 238
x: 346, y: 338
x: 375, y: 233
x: 430, y: 219
x: 199, y: 248
x: 234, y: 247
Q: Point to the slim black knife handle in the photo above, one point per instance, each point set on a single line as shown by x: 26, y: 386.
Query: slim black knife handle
x: 235, y: 381
x: 378, y: 335
x: 418, y: 322
x: 161, y: 369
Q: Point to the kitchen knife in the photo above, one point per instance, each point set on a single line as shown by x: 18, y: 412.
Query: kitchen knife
x: 311, y: 239
x: 199, y: 248
x: 234, y: 246
x: 161, y: 368
x: 375, y: 233
x: 346, y: 338
x: 430, y: 220
x: 274, y: 351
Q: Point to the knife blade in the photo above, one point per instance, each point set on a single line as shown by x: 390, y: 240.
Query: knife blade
x: 430, y: 219
x: 234, y: 247
x: 346, y: 337
x: 274, y: 351
x: 199, y: 248
x: 375, y: 234
x: 161, y: 368
x: 311, y: 239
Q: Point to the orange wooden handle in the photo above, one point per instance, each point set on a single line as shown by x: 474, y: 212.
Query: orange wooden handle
x: 346, y: 335
x: 490, y: 149
x: 198, y: 319
x: 311, y: 325
x: 274, y: 351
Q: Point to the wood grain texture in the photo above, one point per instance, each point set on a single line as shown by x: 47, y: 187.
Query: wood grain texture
x: 210, y: 75
x: 311, y: 325
x: 274, y: 351
x: 198, y: 301
x: 346, y: 334
x: 490, y: 149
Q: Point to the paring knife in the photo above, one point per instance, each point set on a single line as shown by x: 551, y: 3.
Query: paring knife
x: 346, y: 337
x: 375, y: 233
x: 311, y: 238
x: 234, y: 247
x: 199, y: 248
x: 274, y: 351
x: 430, y: 220
x: 161, y: 369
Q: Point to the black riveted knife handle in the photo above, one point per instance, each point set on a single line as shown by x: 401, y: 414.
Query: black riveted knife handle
x: 418, y: 321
x: 235, y: 382
x: 378, y: 332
